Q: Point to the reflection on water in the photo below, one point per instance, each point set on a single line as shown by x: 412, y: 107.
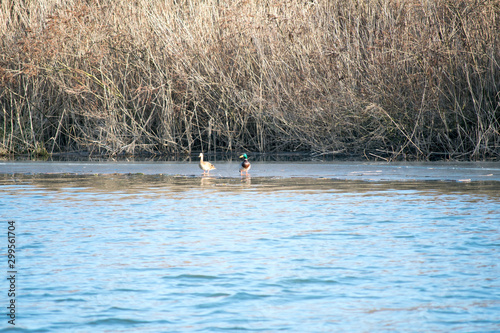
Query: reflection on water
x: 129, y: 252
x: 141, y: 182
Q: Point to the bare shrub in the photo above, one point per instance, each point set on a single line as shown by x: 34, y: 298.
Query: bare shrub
x: 387, y: 79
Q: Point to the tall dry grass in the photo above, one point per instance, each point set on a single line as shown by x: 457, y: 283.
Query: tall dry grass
x: 414, y: 79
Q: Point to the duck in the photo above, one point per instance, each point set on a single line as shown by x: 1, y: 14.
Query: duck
x: 205, y: 166
x: 245, y: 165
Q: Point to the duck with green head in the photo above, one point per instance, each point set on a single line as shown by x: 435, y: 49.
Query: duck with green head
x: 245, y: 165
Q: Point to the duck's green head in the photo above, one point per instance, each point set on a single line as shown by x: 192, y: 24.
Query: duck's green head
x: 244, y: 156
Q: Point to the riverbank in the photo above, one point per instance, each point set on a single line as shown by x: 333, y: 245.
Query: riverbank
x: 384, y: 80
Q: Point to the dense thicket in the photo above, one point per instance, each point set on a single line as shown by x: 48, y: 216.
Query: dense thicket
x: 398, y: 79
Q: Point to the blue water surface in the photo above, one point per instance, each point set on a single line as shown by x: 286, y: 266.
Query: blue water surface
x: 166, y: 253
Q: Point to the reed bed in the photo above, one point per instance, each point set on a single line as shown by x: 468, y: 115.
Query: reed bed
x: 389, y: 79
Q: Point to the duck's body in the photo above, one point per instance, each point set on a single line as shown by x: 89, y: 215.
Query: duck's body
x: 205, y: 166
x: 245, y: 165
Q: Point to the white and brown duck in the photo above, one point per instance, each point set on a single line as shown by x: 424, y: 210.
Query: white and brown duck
x: 205, y: 166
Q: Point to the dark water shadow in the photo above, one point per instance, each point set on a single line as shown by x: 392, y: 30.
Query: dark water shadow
x: 140, y: 183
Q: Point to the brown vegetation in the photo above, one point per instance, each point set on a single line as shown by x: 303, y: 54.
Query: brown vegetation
x: 413, y: 79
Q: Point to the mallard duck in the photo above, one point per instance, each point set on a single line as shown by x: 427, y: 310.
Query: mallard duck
x: 205, y: 166
x: 245, y: 165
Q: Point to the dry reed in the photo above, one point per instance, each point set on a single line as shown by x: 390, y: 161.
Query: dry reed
x: 388, y: 79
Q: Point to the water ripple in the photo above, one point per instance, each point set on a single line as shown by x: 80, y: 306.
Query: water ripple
x: 154, y: 254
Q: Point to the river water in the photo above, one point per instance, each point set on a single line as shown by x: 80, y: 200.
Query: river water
x: 295, y: 247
